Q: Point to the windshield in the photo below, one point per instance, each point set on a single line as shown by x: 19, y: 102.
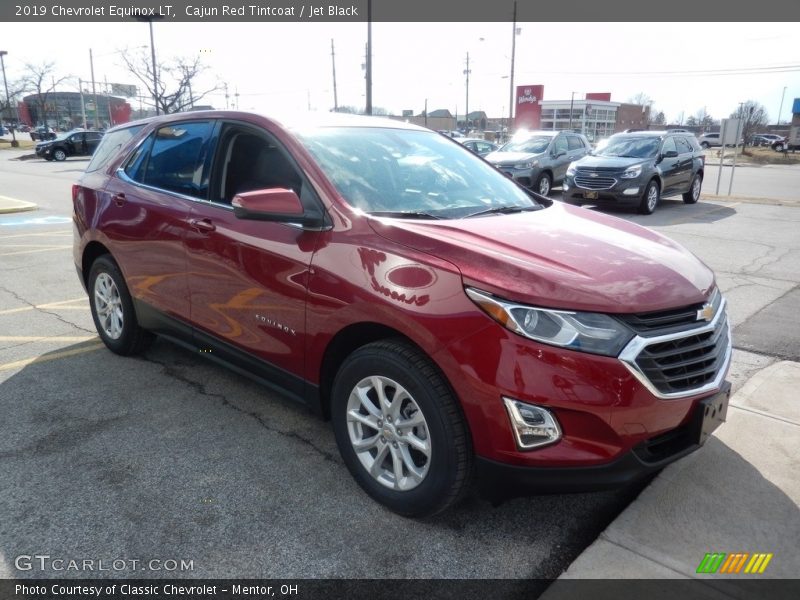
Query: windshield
x: 534, y: 145
x: 630, y: 146
x: 416, y: 173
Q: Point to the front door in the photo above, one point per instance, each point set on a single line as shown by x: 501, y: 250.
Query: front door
x: 248, y: 278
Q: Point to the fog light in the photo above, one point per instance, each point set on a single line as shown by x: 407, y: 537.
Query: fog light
x: 533, y: 426
x: 565, y: 186
x: 631, y: 191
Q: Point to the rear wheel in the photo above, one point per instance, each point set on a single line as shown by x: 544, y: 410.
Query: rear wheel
x: 543, y: 184
x: 705, y: 145
x: 693, y: 195
x: 778, y: 147
x: 112, y: 309
x: 400, y: 429
x: 649, y: 198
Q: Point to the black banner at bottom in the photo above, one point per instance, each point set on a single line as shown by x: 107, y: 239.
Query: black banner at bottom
x: 379, y: 589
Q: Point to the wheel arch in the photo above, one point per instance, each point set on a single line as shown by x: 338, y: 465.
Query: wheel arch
x: 91, y: 253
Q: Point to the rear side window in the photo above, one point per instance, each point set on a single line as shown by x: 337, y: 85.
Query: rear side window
x: 694, y: 143
x: 110, y: 146
x: 683, y: 145
x: 173, y: 158
x: 575, y: 142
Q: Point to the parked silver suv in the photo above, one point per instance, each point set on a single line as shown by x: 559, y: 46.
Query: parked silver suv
x: 539, y: 159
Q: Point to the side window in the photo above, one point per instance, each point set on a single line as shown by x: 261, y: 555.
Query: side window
x: 249, y: 160
x: 574, y: 142
x: 561, y: 144
x: 176, y: 158
x: 683, y: 146
x: 136, y: 165
x: 483, y: 147
x: 76, y: 138
x: 110, y: 146
x: 669, y: 146
x: 694, y: 144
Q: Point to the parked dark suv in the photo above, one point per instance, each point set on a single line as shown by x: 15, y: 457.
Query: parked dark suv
x: 72, y: 143
x: 453, y: 325
x: 638, y: 169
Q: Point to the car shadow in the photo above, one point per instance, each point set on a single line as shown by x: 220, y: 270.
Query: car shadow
x: 170, y: 456
x: 672, y: 212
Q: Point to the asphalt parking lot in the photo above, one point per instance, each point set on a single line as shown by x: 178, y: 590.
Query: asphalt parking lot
x: 170, y: 457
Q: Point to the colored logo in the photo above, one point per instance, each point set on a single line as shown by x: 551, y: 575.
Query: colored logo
x: 734, y: 563
x: 706, y: 313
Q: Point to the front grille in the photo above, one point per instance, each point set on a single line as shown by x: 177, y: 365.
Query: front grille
x: 669, y: 321
x: 595, y: 183
x: 686, y: 363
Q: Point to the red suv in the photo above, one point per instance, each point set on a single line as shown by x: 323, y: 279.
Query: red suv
x: 454, y: 325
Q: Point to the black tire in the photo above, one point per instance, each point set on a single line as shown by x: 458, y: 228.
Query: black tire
x: 60, y: 154
x: 543, y: 182
x: 48, y: 158
x: 693, y: 195
x: 648, y: 204
x: 130, y: 339
x: 448, y: 466
x: 705, y: 145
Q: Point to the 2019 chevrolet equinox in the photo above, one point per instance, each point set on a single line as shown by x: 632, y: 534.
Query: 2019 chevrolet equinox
x: 454, y: 325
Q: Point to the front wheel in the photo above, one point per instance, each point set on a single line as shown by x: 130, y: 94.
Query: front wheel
x: 543, y: 184
x: 400, y: 430
x: 705, y: 145
x: 112, y: 309
x: 59, y: 154
x: 649, y: 198
x: 779, y: 147
x: 693, y: 195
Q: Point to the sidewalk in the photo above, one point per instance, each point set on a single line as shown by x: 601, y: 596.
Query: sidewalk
x: 739, y: 493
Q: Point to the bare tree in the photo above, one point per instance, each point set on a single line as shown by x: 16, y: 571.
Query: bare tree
x: 659, y: 118
x: 15, y: 90
x: 41, y: 80
x: 754, y: 117
x: 641, y: 99
x: 175, y: 91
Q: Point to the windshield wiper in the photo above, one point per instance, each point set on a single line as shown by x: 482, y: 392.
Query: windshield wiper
x: 502, y: 210
x: 402, y: 214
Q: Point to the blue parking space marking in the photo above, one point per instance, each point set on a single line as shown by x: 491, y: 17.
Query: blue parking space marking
x: 32, y: 221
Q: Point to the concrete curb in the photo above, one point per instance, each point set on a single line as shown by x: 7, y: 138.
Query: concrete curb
x: 11, y: 205
x: 752, y: 200
x: 739, y: 493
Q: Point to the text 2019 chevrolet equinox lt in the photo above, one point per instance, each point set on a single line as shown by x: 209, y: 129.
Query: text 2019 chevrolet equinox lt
x: 453, y: 325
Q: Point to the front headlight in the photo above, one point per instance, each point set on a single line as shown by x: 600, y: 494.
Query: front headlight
x: 571, y: 169
x: 586, y: 332
x: 527, y: 165
x: 632, y: 172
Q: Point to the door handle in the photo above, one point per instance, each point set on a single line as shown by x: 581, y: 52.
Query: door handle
x: 119, y: 199
x: 203, y: 225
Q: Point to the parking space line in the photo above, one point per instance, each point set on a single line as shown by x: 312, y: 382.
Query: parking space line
x: 51, y: 249
x: 40, y: 234
x: 45, y: 338
x: 59, y: 305
x: 49, y: 357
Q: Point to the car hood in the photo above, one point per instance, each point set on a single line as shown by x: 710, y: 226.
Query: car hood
x: 610, y: 162
x: 562, y: 257
x: 510, y: 158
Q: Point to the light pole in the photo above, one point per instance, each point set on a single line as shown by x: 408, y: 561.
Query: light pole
x: 780, y: 110
x: 511, y: 103
x: 14, y: 142
x: 467, y: 71
x: 150, y: 19
x: 571, y: 104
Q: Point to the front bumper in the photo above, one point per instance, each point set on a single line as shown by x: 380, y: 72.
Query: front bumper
x: 497, y: 479
x: 525, y: 177
x: 624, y: 192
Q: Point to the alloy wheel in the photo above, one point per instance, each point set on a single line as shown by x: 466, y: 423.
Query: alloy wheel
x: 388, y: 433
x: 108, y: 306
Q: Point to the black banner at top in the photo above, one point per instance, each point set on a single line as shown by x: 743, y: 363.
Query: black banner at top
x: 396, y: 11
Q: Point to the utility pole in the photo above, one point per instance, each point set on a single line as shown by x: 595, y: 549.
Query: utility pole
x: 333, y: 64
x: 369, y: 58
x: 108, y: 102
x: 571, y: 104
x: 780, y: 110
x: 466, y: 109
x: 511, y: 91
x: 227, y: 97
x: 236, y: 95
x: 426, y: 112
x: 83, y: 105
x: 14, y: 142
x: 94, y: 89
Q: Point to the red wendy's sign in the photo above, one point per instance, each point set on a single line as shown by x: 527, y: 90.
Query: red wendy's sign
x: 529, y: 107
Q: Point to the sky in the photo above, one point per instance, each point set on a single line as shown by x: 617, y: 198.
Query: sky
x: 685, y: 68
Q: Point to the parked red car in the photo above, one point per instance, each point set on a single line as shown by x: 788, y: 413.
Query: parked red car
x: 454, y: 325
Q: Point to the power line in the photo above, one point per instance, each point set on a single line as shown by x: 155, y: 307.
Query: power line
x: 706, y: 72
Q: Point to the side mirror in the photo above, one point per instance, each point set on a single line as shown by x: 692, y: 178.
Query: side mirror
x: 670, y: 154
x: 274, y: 204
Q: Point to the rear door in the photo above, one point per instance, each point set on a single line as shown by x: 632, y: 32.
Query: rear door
x: 248, y: 278
x: 685, y: 160
x: 561, y: 158
x: 150, y: 201
x: 669, y: 166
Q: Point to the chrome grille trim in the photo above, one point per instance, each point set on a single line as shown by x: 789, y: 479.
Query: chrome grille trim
x: 631, y: 352
x: 594, y: 183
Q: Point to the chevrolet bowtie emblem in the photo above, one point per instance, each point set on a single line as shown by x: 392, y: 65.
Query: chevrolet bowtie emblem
x: 592, y: 174
x: 706, y: 313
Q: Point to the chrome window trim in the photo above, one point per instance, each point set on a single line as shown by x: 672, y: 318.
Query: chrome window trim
x: 631, y: 352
